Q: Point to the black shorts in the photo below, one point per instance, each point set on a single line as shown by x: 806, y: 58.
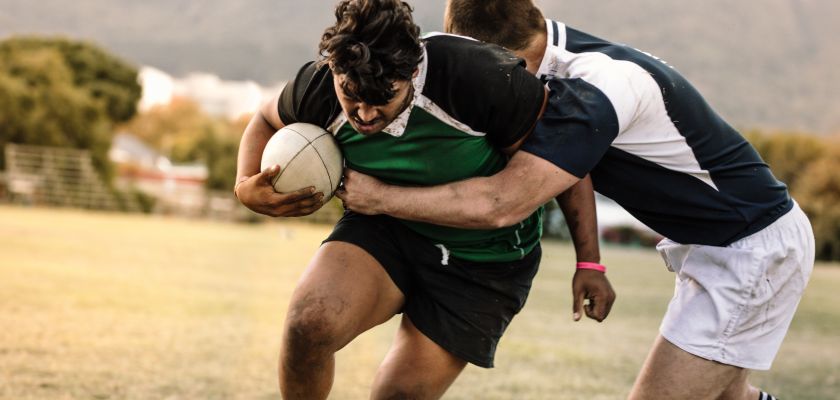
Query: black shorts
x: 462, y: 306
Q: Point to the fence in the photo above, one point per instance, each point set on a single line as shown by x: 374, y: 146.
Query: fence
x: 58, y: 177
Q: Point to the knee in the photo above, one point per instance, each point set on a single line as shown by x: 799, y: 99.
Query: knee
x: 311, y: 332
x: 398, y: 392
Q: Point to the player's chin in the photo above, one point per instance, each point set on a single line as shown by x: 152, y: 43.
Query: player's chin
x: 368, y: 129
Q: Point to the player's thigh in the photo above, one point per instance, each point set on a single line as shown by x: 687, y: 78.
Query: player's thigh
x: 672, y: 373
x: 343, y: 292
x: 415, y: 367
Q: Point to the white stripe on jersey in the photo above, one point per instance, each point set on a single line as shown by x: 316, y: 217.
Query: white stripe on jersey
x: 645, y: 129
x: 432, y: 108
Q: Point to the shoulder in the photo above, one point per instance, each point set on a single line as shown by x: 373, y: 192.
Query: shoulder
x: 309, y: 97
x: 445, y: 43
x: 462, y: 68
x: 467, y: 60
x: 483, y: 86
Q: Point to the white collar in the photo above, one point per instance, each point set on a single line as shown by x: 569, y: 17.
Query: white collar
x: 397, y: 127
x: 552, y: 65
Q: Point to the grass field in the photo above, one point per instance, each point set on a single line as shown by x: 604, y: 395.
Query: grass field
x: 105, y: 306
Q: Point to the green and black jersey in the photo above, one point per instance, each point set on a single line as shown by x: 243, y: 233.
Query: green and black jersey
x: 470, y: 100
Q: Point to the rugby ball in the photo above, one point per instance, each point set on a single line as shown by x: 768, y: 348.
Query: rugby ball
x: 307, y: 155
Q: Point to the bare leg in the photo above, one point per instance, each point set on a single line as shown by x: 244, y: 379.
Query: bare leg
x: 343, y: 293
x: 673, y: 374
x: 415, y: 368
x: 740, y: 389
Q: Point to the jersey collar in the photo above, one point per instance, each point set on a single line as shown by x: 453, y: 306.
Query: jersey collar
x: 397, y: 127
x: 552, y: 65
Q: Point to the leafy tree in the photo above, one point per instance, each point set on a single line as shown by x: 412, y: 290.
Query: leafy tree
x: 808, y: 164
x: 818, y: 191
x: 57, y: 92
x: 174, y: 129
x: 184, y: 133
x: 108, y: 79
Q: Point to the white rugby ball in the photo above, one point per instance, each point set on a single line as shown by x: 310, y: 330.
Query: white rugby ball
x: 307, y: 155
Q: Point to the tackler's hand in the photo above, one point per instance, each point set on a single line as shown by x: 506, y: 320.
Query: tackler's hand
x: 362, y: 193
x: 593, y: 286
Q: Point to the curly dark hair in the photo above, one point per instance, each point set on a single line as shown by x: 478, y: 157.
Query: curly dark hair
x: 373, y: 43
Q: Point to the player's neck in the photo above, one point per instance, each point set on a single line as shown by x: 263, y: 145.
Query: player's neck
x: 534, y: 53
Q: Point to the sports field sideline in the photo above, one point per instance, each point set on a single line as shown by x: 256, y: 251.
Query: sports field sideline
x: 110, y: 306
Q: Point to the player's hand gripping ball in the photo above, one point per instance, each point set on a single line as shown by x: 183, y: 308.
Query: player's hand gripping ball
x: 307, y: 155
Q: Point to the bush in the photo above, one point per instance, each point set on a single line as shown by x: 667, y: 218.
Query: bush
x: 808, y: 165
x: 818, y: 192
x: 63, y: 93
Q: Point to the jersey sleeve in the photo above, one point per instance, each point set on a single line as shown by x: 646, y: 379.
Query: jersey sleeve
x: 310, y: 97
x: 513, y: 106
x: 483, y: 86
x: 577, y: 128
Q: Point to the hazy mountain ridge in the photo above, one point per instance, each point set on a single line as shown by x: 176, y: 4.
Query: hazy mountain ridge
x: 762, y: 63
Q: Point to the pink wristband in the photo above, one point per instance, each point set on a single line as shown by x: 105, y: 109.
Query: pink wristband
x: 591, y: 265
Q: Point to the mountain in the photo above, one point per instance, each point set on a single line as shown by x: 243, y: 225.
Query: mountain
x: 769, y: 64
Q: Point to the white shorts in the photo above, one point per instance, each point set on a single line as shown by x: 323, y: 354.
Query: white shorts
x: 734, y: 304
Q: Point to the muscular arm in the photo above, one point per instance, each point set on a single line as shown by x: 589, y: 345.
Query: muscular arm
x: 578, y: 206
x: 262, y: 126
x: 254, y: 188
x: 500, y: 200
x: 479, y: 203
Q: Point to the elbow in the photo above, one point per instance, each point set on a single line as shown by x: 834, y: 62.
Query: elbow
x: 508, y: 219
x: 498, y: 214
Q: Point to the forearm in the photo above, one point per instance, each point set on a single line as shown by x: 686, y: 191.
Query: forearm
x: 500, y: 200
x: 465, y: 204
x: 578, y: 206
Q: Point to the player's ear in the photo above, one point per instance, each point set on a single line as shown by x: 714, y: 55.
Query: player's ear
x: 447, y: 21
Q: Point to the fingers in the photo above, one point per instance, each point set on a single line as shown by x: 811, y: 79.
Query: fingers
x: 268, y: 174
x: 592, y: 293
x: 258, y: 194
x: 297, y: 206
x: 595, y: 308
x: 304, y: 211
x: 607, y: 307
x: 341, y: 194
x: 609, y: 299
x: 577, y: 302
x: 600, y: 304
x: 298, y: 196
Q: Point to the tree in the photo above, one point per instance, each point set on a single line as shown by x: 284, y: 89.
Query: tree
x: 108, y: 79
x: 57, y: 92
x: 184, y: 133
x: 808, y: 165
x: 818, y: 191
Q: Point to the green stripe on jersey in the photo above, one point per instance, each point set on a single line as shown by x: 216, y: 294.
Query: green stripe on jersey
x: 431, y: 152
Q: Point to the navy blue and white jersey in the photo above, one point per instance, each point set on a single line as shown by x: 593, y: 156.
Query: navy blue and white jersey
x: 651, y: 142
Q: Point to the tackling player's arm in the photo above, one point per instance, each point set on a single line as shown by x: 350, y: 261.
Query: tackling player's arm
x: 489, y: 202
x: 561, y: 150
x: 253, y: 187
x: 578, y: 206
x: 500, y: 200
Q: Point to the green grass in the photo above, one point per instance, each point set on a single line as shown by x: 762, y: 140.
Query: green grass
x: 106, y: 306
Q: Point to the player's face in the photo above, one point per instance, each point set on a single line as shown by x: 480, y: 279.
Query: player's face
x: 368, y: 119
